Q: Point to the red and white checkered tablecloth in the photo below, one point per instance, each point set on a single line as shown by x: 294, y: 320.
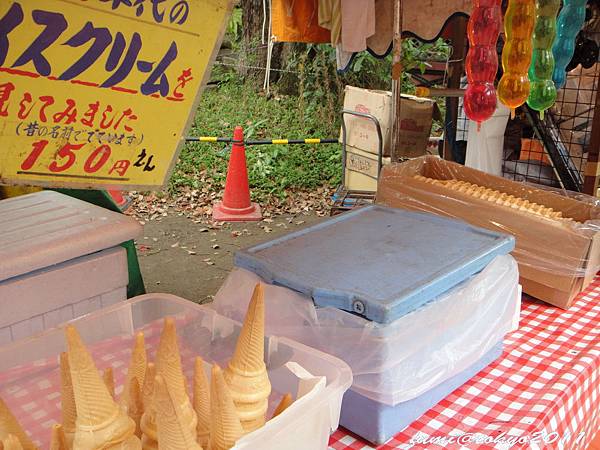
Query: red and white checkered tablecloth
x: 544, y: 392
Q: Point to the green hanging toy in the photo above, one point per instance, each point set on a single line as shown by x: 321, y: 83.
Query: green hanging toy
x: 543, y: 91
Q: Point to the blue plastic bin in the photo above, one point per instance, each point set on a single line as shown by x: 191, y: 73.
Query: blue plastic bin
x: 379, y: 262
x: 386, y: 421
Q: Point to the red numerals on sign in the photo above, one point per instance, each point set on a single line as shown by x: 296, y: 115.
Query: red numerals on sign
x: 65, y: 152
x: 93, y: 163
x: 37, y: 149
x: 97, y: 159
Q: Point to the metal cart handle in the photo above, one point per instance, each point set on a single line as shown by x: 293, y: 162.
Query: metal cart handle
x: 373, y: 119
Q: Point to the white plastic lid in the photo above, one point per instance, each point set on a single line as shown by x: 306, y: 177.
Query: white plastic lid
x: 46, y: 228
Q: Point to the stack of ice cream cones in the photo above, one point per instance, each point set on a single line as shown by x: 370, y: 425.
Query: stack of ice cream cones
x: 155, y: 411
x: 246, y: 374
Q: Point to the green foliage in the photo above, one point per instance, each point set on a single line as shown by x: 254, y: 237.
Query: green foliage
x: 320, y: 87
x: 415, y: 54
x: 307, y: 102
x: 234, y: 26
x: 273, y: 169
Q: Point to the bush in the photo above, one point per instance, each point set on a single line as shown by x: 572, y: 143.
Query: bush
x: 273, y: 169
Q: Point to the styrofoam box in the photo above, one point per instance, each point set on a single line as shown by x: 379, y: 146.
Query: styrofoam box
x: 30, y: 378
x: 60, y: 258
x: 53, y: 295
x: 403, y: 368
x: 396, y: 362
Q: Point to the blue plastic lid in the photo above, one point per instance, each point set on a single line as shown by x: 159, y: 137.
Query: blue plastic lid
x: 379, y: 262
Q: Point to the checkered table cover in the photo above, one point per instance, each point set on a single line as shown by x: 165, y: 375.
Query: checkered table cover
x: 546, y: 382
x: 545, y: 389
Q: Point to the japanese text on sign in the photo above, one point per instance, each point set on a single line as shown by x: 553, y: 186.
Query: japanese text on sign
x: 99, y: 92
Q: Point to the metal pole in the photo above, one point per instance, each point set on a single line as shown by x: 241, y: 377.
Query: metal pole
x: 459, y: 45
x: 396, y: 79
x: 308, y: 141
x: 592, y: 167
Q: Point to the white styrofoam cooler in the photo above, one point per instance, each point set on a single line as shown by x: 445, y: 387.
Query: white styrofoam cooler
x: 59, y: 259
x: 30, y: 373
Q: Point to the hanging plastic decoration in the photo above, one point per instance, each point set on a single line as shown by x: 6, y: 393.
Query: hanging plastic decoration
x: 482, y: 60
x: 570, y: 21
x: 519, y: 21
x: 543, y: 92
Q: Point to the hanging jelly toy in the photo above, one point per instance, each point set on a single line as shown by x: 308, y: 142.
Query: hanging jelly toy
x: 570, y: 20
x: 543, y: 92
x: 482, y: 60
x: 519, y: 21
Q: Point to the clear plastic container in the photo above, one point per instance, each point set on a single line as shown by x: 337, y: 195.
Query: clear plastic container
x: 30, y: 378
x: 396, y: 362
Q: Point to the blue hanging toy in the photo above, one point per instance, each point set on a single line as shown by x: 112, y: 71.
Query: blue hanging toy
x: 570, y: 20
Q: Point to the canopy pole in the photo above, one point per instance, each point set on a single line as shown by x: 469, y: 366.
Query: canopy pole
x: 396, y: 79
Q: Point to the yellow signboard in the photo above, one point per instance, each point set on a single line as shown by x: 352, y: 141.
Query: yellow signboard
x: 99, y: 93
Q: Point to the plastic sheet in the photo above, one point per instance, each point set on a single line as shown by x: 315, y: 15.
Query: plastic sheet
x: 399, y: 361
x: 559, y: 248
x: 485, y: 148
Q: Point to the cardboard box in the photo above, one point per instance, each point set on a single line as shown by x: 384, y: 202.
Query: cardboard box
x: 556, y: 259
x: 416, y: 115
x: 361, y: 170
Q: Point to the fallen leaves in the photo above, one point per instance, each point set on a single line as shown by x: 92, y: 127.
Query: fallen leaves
x: 196, y: 204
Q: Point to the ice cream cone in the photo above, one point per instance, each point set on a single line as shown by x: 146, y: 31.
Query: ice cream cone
x: 168, y: 361
x: 69, y: 411
x: 148, y: 423
x: 10, y: 426
x: 100, y: 423
x: 135, y: 407
x: 225, y: 426
x: 246, y: 374
x: 58, y: 440
x: 285, y: 402
x: 168, y: 365
x: 499, y: 198
x: 173, y: 430
x: 137, y: 367
x: 477, y: 193
x: 11, y: 443
x: 201, y: 402
x: 109, y: 380
x: 148, y: 386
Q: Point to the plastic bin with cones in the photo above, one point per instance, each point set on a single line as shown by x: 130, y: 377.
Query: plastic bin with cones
x: 51, y: 398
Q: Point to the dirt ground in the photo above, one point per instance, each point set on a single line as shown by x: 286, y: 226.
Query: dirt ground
x: 191, y: 260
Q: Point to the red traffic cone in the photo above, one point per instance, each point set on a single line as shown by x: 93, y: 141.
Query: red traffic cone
x: 236, y: 205
x: 120, y: 200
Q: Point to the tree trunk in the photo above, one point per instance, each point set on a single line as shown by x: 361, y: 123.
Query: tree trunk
x: 254, y: 52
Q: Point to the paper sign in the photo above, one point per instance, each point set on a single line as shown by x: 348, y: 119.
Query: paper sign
x: 99, y: 93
